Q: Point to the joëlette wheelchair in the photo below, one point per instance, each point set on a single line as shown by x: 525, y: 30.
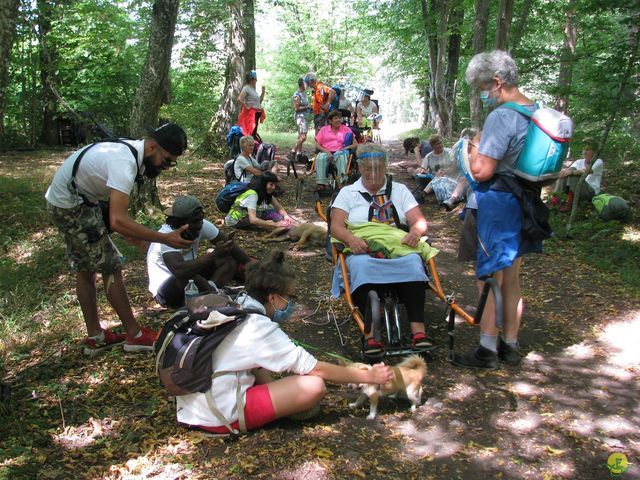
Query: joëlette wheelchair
x: 384, y: 314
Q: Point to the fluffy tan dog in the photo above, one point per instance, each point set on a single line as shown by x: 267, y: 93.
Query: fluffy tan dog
x: 303, y: 234
x: 407, y: 382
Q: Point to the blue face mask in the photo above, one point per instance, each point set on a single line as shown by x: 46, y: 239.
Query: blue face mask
x: 486, y: 99
x: 280, y: 316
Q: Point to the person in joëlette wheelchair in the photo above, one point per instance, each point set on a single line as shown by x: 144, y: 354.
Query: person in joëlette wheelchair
x: 376, y: 204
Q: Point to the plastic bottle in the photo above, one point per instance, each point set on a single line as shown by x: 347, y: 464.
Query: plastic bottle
x: 190, y: 292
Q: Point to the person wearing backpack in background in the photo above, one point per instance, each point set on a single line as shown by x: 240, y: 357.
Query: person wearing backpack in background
x: 569, y: 177
x: 252, y: 113
x: 242, y: 391
x: 170, y: 269
x: 245, y: 167
x: 257, y: 206
x: 300, y: 111
x: 110, y: 170
x: 501, y: 241
x: 322, y: 98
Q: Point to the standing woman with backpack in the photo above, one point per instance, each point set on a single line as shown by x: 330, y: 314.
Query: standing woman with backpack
x: 252, y: 112
x: 501, y: 242
x: 243, y: 392
x: 257, y: 206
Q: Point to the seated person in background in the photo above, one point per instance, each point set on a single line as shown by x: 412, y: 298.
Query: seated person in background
x: 462, y: 185
x: 419, y: 149
x: 364, y: 110
x: 257, y: 347
x: 404, y: 275
x: 245, y: 166
x: 257, y: 206
x: 444, y: 168
x: 569, y: 177
x: 333, y: 141
x: 170, y: 269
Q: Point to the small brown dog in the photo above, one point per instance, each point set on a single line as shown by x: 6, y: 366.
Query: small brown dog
x: 407, y: 382
x: 303, y: 234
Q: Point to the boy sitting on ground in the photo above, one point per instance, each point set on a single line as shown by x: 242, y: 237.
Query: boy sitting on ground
x: 171, y: 269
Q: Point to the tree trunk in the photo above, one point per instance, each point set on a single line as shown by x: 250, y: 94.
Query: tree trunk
x: 567, y: 59
x: 479, y: 45
x: 436, y: 43
x: 48, y: 58
x: 453, y: 57
x: 8, y: 19
x: 634, y: 45
x: 523, y: 12
x: 234, y: 75
x: 503, y: 27
x: 154, y: 87
x: 250, y: 35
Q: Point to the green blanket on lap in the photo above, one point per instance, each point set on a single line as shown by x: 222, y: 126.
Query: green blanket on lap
x: 386, y: 239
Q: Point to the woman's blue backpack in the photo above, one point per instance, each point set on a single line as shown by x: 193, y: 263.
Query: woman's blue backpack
x: 546, y: 145
x: 228, y: 195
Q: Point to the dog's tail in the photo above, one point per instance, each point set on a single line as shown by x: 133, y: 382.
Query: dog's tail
x: 414, y: 362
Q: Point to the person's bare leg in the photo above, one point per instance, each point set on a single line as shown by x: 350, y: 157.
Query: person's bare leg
x: 296, y: 393
x: 488, y: 321
x: 512, y: 300
x: 117, y: 295
x: 86, y: 292
x: 225, y: 270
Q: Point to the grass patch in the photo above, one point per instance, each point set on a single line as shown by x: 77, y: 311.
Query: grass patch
x: 604, y: 245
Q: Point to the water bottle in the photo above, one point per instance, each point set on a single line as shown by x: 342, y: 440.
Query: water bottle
x: 190, y: 293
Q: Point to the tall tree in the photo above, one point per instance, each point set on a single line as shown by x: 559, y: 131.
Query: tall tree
x: 456, y: 19
x: 234, y: 77
x: 479, y: 44
x: 503, y: 27
x: 154, y: 88
x: 250, y: 35
x: 8, y: 20
x: 435, y: 18
x: 567, y: 58
x: 48, y: 11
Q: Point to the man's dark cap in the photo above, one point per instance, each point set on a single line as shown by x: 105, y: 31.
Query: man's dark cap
x: 169, y: 136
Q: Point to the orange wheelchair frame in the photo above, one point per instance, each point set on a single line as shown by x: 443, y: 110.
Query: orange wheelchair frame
x: 434, y: 284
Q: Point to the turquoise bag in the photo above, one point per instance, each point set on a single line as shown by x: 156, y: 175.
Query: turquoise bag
x: 546, y: 145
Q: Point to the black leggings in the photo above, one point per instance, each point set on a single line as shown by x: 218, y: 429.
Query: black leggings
x: 411, y: 294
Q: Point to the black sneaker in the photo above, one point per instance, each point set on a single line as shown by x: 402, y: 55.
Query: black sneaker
x: 508, y: 354
x: 481, y: 357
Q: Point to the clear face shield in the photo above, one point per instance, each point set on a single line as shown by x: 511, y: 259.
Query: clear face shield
x: 373, y: 167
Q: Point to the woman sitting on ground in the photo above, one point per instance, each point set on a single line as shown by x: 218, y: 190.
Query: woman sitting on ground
x: 333, y: 141
x: 448, y: 183
x: 257, y: 347
x: 404, y: 275
x: 419, y: 150
x: 245, y: 166
x: 257, y: 206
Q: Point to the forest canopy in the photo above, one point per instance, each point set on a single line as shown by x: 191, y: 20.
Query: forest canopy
x: 86, y: 60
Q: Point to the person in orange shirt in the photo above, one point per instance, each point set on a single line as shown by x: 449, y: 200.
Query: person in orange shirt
x: 322, y: 96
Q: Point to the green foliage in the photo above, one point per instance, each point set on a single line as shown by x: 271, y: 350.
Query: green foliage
x: 332, y: 47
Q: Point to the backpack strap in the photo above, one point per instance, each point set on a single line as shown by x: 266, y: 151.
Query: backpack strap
x: 519, y: 108
x: 139, y: 178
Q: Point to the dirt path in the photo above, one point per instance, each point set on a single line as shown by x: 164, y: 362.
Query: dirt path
x: 571, y: 404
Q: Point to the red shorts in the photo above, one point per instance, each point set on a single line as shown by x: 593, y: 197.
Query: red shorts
x: 258, y: 411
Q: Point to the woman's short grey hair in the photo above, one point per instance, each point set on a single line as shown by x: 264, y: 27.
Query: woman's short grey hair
x: 372, y: 148
x: 246, y: 141
x: 484, y: 66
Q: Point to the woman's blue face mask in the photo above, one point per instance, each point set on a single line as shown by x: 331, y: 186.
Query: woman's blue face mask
x: 485, y: 97
x: 282, y: 315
